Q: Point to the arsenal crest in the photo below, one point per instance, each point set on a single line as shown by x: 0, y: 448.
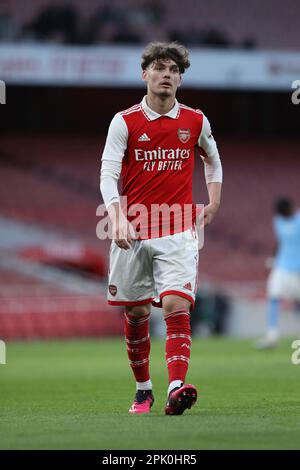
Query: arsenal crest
x: 184, y: 135
x: 112, y: 289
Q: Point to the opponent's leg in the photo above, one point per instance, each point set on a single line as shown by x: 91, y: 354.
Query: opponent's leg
x: 270, y: 340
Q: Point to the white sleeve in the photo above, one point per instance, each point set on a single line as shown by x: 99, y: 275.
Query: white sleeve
x: 211, y: 159
x: 113, y: 153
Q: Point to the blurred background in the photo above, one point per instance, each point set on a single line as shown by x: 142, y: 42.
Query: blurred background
x: 69, y: 66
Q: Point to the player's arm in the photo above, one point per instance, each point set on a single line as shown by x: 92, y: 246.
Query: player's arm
x: 115, y: 146
x: 213, y: 170
x: 214, y: 192
x: 270, y: 260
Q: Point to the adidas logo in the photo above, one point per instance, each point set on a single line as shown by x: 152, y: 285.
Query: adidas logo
x: 143, y: 138
x: 188, y: 286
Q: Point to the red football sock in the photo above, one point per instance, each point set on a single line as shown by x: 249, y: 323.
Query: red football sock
x: 138, y: 345
x: 178, y: 344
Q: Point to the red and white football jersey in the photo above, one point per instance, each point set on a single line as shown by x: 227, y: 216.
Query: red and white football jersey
x: 157, y: 154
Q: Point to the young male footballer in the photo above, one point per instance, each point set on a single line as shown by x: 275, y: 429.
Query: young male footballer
x: 154, y: 252
x: 284, y: 279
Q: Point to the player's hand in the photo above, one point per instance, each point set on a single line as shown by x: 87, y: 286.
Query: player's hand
x: 209, y: 212
x: 123, y: 233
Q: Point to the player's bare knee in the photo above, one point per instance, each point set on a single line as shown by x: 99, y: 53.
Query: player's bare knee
x: 175, y: 303
x: 138, y: 310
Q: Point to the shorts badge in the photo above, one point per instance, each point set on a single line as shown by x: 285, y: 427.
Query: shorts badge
x: 112, y: 289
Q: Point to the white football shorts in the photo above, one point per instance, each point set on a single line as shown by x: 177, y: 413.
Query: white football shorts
x: 153, y: 268
x: 284, y: 285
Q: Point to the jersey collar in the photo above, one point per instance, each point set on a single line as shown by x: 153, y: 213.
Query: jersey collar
x: 152, y: 115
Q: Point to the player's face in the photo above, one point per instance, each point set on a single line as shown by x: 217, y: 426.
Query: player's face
x: 162, y: 77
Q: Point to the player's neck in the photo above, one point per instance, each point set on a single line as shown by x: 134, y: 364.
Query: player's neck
x: 161, y: 105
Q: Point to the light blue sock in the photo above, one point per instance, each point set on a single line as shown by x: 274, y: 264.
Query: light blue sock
x: 273, y: 314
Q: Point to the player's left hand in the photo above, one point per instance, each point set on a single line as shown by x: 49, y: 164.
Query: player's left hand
x: 209, y: 212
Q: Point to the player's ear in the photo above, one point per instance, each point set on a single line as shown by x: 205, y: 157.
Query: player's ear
x: 180, y: 80
x: 144, y: 75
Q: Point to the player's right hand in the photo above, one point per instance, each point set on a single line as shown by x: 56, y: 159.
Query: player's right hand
x: 123, y: 233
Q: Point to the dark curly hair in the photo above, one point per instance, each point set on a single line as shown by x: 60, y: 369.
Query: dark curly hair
x: 162, y: 50
x: 283, y: 206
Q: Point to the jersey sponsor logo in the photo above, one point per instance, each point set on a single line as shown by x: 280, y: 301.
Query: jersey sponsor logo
x: 144, y: 138
x: 161, y: 154
x: 184, y: 135
x: 188, y: 286
x: 112, y: 289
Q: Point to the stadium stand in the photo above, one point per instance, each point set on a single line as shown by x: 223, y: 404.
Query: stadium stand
x: 214, y: 23
x: 52, y: 268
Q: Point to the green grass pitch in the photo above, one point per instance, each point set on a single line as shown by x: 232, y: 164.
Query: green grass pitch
x: 76, y: 395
